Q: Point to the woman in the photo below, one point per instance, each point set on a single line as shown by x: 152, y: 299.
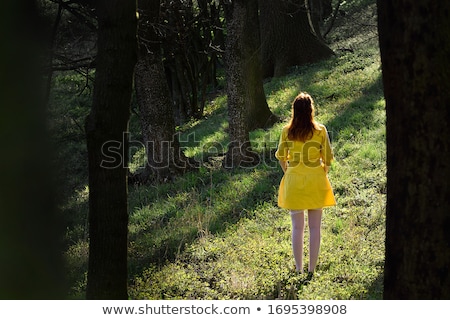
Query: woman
x: 305, y: 156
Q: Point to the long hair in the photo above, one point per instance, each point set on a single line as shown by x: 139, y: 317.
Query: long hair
x: 302, y: 124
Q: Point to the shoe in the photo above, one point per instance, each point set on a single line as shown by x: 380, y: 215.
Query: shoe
x: 308, y: 278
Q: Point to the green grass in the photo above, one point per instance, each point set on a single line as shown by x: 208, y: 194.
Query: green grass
x: 231, y: 241
x: 218, y: 234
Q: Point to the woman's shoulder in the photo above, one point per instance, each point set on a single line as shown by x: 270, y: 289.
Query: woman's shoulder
x: 321, y: 130
x: 285, y: 129
x: 320, y: 127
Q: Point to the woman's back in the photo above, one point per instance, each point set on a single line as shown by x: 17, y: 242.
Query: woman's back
x: 311, y: 153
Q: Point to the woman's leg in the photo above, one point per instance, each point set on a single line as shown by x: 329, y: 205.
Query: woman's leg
x: 314, y: 223
x: 298, y: 226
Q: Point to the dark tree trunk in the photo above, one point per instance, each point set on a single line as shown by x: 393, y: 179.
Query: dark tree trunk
x: 315, y: 11
x: 189, y: 49
x: 287, y: 39
x: 164, y: 156
x: 247, y: 106
x: 415, y: 50
x: 326, y: 7
x: 258, y: 114
x: 107, y: 150
x: 30, y: 236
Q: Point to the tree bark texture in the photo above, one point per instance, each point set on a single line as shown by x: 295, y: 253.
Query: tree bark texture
x: 258, y: 112
x: 247, y: 105
x: 316, y: 10
x: 415, y: 50
x: 164, y: 156
x: 107, y: 150
x: 287, y: 38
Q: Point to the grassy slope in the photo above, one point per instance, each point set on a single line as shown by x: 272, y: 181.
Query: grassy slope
x: 220, y: 235
x: 216, y: 234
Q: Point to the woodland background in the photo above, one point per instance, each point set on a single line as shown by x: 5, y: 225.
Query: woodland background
x: 149, y: 171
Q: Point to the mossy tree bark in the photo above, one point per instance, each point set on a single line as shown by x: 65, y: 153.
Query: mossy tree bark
x: 247, y: 105
x: 415, y: 46
x: 107, y: 150
x: 164, y: 156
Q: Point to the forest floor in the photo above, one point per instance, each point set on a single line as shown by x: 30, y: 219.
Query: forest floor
x: 218, y: 234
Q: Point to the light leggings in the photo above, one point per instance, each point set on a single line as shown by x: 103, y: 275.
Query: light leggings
x: 298, y: 227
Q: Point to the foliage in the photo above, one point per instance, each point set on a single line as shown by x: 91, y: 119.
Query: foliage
x: 218, y: 234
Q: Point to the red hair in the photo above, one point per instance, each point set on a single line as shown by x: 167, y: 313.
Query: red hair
x: 302, y: 124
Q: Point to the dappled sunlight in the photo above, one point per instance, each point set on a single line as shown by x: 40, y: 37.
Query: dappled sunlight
x: 219, y: 234
x: 230, y: 238
x: 164, y: 226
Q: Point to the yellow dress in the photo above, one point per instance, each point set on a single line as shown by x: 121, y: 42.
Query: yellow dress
x: 305, y: 184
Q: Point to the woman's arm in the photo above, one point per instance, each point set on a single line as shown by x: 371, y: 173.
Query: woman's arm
x: 326, y: 151
x: 282, y: 152
x: 283, y: 165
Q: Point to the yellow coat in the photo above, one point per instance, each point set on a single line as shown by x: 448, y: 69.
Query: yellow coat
x: 305, y: 184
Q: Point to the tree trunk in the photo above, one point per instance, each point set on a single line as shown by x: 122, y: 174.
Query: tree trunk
x: 31, y: 266
x: 326, y: 7
x: 415, y: 46
x: 258, y: 114
x: 164, y: 156
x: 107, y: 150
x: 314, y: 9
x: 287, y: 39
x: 245, y: 90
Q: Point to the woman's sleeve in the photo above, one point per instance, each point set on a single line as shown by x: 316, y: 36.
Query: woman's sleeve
x: 326, y: 151
x: 282, y: 151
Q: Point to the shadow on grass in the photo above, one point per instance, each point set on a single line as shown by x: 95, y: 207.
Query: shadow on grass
x: 214, y: 201
x: 375, y: 289
x: 358, y: 115
x: 165, y: 237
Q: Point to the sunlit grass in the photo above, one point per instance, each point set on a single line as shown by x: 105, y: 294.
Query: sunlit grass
x: 240, y: 245
x: 219, y: 234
